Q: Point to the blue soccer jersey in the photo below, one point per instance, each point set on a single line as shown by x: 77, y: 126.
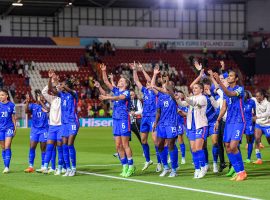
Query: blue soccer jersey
x: 249, y: 105
x: 235, y: 106
x: 6, y: 112
x: 68, y: 107
x: 168, y: 110
x: 149, y: 102
x: 121, y: 108
x: 39, y: 117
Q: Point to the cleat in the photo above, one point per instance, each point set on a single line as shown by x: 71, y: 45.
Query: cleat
x: 6, y: 170
x: 173, y: 174
x: 45, y: 171
x: 72, y: 173
x: 40, y: 170
x: 164, y: 172
x: 29, y: 170
x: 63, y: 171
x: 241, y: 176
x: 147, y: 164
x: 159, y: 167
x: 215, y: 168
x: 51, y: 171
x: 183, y: 161
x: 222, y: 166
x: 196, y: 173
x: 258, y: 162
x: 202, y: 173
x: 124, y: 170
x: 247, y: 161
x: 57, y: 172
x: 234, y: 176
x: 130, y: 172
x: 231, y: 172
x: 67, y: 173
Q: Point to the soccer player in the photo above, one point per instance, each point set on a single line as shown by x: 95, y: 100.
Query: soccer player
x: 39, y: 128
x: 54, y: 132
x: 249, y: 108
x: 262, y: 119
x: 7, y: 127
x: 166, y: 125
x: 235, y: 122
x: 182, y: 113
x: 121, y: 121
x: 70, y: 123
x: 148, y: 115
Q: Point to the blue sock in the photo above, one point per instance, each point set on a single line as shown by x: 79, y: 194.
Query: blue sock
x: 250, y: 149
x: 72, y: 154
x: 215, y: 153
x: 206, y: 155
x: 53, y: 158
x: 60, y: 155
x: 32, y: 155
x: 8, y: 155
x: 158, y: 155
x: 4, y: 155
x: 196, y: 160
x: 183, y: 150
x: 201, y: 157
x: 164, y: 158
x: 130, y: 161
x: 146, y: 152
x: 233, y: 161
x: 43, y: 158
x: 174, y: 157
x: 166, y: 149
x: 66, y: 156
x: 124, y: 160
x: 48, y: 155
x: 239, y: 162
x: 258, y: 154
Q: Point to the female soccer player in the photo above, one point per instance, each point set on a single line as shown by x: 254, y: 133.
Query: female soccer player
x: 235, y: 122
x: 148, y: 115
x: 121, y: 121
x: 262, y: 119
x: 7, y: 127
x: 249, y: 108
x: 39, y: 129
x: 166, y: 125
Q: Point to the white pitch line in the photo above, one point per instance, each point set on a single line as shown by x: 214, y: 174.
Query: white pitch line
x: 170, y: 186
x: 108, y: 165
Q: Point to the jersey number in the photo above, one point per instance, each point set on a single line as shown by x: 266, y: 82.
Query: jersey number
x: 73, y: 127
x: 64, y: 103
x: 123, y: 126
x: 166, y: 103
x: 4, y: 114
x: 237, y: 133
x: 39, y: 114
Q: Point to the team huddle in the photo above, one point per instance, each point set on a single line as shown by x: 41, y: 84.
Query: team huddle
x: 218, y: 107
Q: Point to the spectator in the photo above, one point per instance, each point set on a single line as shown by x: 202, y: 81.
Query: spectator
x: 12, y: 89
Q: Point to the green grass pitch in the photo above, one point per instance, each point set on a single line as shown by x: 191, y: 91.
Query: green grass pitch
x: 95, y: 147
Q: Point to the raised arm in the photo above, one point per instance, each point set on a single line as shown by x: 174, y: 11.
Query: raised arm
x: 112, y: 98
x: 214, y: 103
x: 224, y: 88
x: 197, y: 79
x: 111, y: 79
x: 136, y: 78
x: 210, y: 72
x: 146, y: 76
x: 27, y: 101
x: 104, y: 76
x: 101, y: 90
x: 52, y: 78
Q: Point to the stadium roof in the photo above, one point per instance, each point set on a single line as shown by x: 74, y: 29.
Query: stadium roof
x: 49, y: 7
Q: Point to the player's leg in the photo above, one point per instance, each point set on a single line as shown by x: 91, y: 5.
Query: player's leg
x: 72, y: 153
x: 182, y: 144
x: 66, y: 155
x: 135, y: 128
x: 128, y: 152
x: 258, y: 136
x: 8, y: 154
x: 145, y: 129
x: 159, y: 165
x: 163, y: 152
x: 215, y: 152
x: 205, y: 149
x: 250, y: 141
x: 43, y: 153
x: 122, y: 155
x: 222, y: 164
x: 173, y: 152
x: 31, y: 156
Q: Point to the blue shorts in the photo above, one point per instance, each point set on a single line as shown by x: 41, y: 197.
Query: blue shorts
x: 181, y: 129
x: 69, y: 129
x: 147, y: 124
x: 200, y: 133
x: 211, y: 129
x: 38, y: 134
x: 54, y: 133
x: 233, y: 132
x: 265, y: 129
x: 249, y: 130
x: 121, y: 127
x: 166, y: 132
x: 6, y: 133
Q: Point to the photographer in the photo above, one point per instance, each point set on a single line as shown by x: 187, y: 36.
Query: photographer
x: 135, y: 114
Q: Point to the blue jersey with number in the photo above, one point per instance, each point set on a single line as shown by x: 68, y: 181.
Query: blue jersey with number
x: 149, y: 102
x: 168, y: 110
x: 39, y: 116
x: 235, y: 107
x: 6, y: 112
x: 121, y: 108
x: 181, y: 120
x: 211, y: 113
x: 249, y: 105
x: 68, y: 107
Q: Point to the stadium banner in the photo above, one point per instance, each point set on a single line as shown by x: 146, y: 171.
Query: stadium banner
x: 175, y: 44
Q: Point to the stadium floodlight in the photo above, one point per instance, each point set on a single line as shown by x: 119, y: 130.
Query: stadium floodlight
x: 17, y: 4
